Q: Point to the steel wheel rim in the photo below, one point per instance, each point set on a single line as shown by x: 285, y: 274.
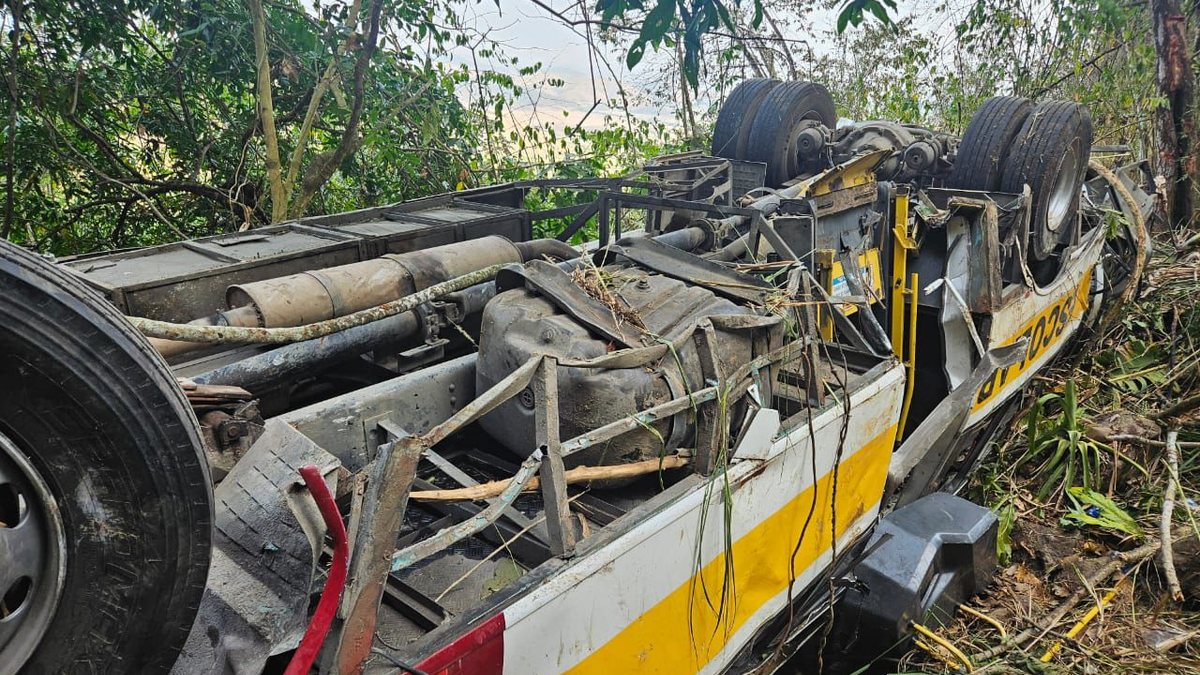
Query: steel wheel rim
x: 1063, y: 195
x: 32, y: 555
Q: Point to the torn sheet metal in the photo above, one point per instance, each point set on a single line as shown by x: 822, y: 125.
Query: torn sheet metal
x: 267, y: 539
x: 924, y: 455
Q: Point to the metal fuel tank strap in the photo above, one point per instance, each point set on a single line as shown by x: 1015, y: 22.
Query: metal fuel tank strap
x: 672, y: 262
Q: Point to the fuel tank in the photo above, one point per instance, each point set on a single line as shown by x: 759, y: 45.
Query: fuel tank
x: 646, y: 312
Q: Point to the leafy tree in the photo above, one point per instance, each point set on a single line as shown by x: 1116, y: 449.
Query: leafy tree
x: 135, y: 122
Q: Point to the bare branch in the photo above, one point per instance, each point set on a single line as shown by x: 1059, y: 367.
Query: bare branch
x: 266, y: 111
x: 323, y: 167
x: 314, y: 102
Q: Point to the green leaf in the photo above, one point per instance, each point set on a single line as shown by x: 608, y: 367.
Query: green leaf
x: 658, y: 21
x: 880, y: 13
x: 852, y: 13
x: 1007, y: 517
x: 1108, y: 515
x: 636, y: 51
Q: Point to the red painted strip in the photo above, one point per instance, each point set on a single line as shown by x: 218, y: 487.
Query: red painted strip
x: 318, y: 627
x: 478, y: 652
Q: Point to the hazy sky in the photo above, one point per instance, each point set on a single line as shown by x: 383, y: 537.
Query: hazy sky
x: 530, y: 33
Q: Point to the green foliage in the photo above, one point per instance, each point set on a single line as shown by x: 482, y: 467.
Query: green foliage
x: 1058, y: 442
x: 669, y: 22
x: 1092, y: 51
x: 1006, y: 515
x: 852, y: 12
x: 1134, y: 366
x: 891, y: 71
x: 133, y: 123
x: 1089, y: 507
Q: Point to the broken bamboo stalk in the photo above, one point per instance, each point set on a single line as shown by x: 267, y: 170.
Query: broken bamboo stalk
x: 580, y: 474
x: 1168, y: 512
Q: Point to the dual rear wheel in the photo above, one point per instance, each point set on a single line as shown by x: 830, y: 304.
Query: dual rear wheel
x: 1011, y: 143
x: 765, y: 120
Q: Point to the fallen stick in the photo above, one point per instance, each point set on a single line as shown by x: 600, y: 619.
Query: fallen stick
x: 1168, y: 512
x: 1039, y: 630
x: 1153, y: 443
x: 580, y: 474
x: 1187, y: 404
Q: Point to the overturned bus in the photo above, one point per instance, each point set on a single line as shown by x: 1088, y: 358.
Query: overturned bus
x: 722, y: 435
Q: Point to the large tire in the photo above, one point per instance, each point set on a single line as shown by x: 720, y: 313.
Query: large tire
x: 780, y: 119
x: 737, y: 114
x: 979, y: 163
x: 1051, y: 156
x: 99, y: 441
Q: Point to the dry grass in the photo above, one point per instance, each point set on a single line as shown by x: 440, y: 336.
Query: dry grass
x: 1140, y: 364
x: 604, y: 286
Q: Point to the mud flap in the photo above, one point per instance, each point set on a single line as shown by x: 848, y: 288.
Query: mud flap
x: 922, y: 561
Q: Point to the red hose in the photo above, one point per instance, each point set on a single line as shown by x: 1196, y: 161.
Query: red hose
x: 335, y: 583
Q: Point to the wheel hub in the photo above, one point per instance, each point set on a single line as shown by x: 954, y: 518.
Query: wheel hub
x: 1066, y: 188
x: 32, y: 555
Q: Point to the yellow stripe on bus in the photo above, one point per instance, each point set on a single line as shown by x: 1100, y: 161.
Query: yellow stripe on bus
x: 662, y: 641
x: 1044, y: 330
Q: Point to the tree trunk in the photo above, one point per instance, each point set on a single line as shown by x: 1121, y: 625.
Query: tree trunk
x: 266, y: 111
x: 1174, y: 121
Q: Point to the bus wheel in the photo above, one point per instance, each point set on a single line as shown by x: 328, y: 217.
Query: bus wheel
x: 105, y: 499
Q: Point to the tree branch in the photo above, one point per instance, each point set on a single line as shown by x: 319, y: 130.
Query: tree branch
x: 323, y: 167
x: 314, y: 102
x: 266, y: 111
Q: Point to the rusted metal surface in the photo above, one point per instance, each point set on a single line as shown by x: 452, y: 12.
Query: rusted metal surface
x: 554, y: 485
x: 337, y: 291
x: 384, y: 503
x: 710, y: 430
x: 670, y: 261
x: 846, y: 198
x: 238, y: 334
x: 423, y: 549
x: 180, y: 281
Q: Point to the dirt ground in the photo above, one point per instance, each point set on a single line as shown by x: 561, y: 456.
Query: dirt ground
x: 1079, y: 484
